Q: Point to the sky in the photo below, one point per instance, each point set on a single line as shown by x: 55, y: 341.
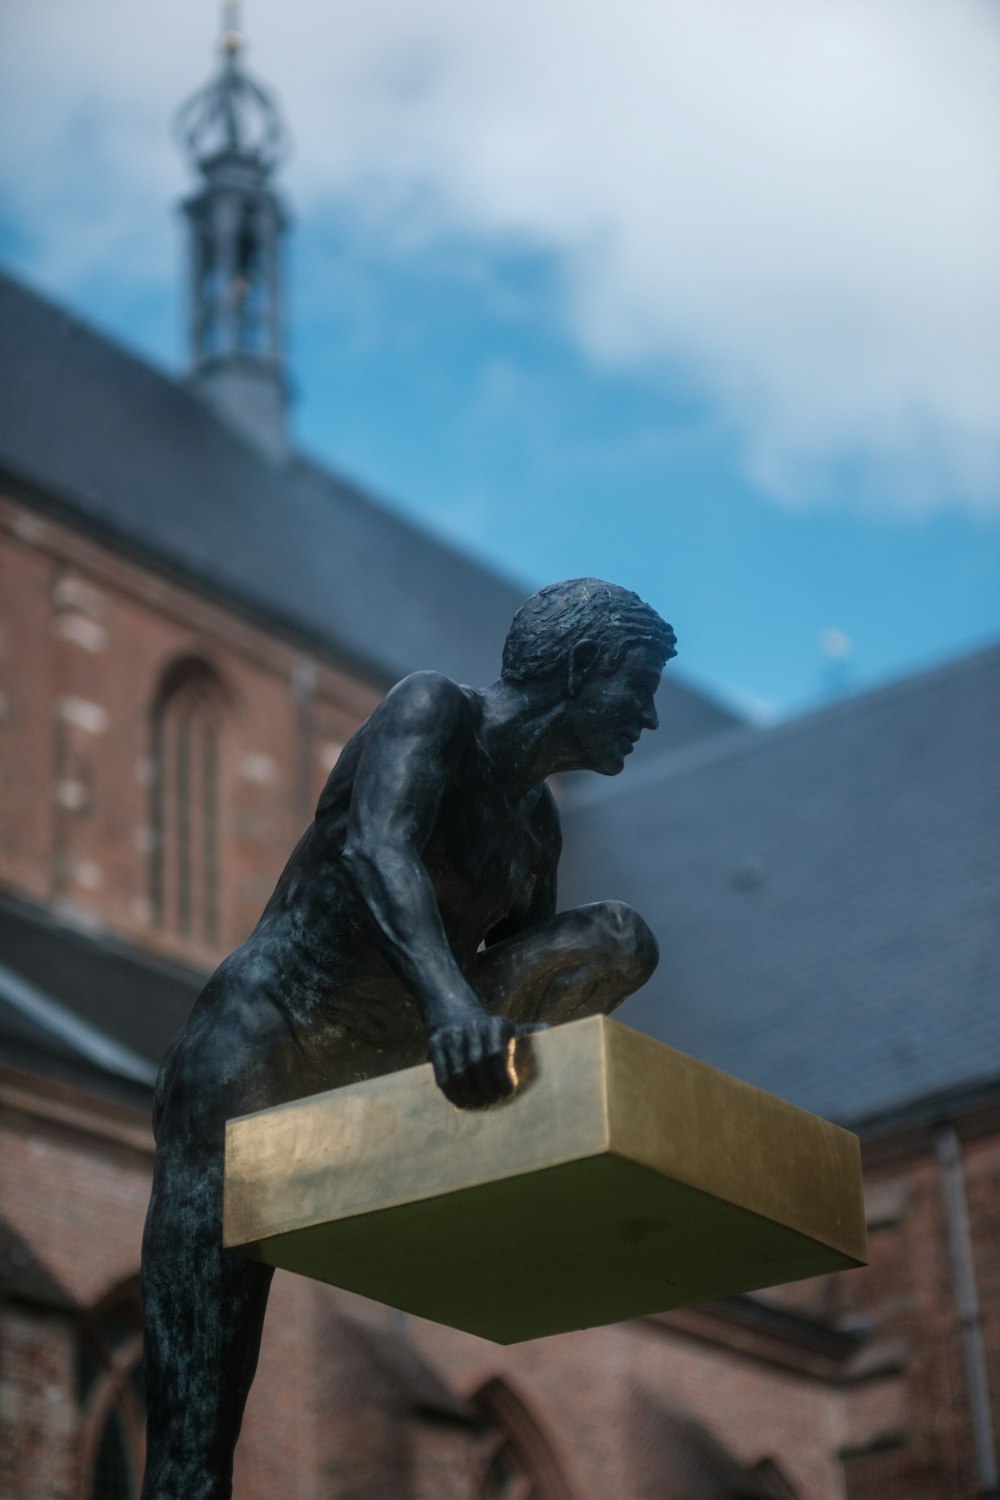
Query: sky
x: 696, y: 295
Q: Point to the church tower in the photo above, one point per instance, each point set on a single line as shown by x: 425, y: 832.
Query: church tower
x: 234, y: 137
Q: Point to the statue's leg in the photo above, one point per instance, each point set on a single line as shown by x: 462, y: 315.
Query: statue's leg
x: 203, y: 1310
x: 579, y: 963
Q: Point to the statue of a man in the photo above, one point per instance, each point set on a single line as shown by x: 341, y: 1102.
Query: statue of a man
x: 416, y: 917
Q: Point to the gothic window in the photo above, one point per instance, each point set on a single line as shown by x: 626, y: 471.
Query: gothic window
x: 112, y: 1404
x: 184, y: 859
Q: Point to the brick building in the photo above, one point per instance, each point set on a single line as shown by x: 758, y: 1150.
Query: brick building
x: 193, y: 618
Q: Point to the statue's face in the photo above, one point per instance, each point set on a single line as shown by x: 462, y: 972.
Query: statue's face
x: 612, y: 708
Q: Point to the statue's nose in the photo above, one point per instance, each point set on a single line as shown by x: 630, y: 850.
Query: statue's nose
x: 650, y: 720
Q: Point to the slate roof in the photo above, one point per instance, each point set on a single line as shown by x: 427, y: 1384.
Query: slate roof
x: 826, y: 893
x: 135, y: 999
x: 116, y: 446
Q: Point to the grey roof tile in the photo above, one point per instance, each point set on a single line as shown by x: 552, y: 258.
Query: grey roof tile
x: 138, y: 999
x: 826, y: 893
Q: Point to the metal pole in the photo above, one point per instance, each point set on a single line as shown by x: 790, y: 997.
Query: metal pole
x: 967, y: 1302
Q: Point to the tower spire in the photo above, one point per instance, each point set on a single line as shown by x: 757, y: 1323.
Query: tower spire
x: 234, y: 138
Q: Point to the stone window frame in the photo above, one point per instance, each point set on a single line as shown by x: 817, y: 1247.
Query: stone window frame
x: 109, y: 1388
x: 532, y: 1451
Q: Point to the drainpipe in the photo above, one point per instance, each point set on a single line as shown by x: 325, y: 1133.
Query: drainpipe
x: 967, y: 1302
x: 304, y: 695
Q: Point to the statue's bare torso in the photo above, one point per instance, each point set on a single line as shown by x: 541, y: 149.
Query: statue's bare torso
x: 309, y: 1000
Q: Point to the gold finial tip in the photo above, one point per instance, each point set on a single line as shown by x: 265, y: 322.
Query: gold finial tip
x: 232, y: 36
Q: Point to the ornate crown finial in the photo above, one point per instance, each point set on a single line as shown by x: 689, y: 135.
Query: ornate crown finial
x: 232, y: 115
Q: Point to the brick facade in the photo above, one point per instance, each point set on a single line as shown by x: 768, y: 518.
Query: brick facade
x: 74, y: 1182
x: 920, y: 1442
x: 87, y: 638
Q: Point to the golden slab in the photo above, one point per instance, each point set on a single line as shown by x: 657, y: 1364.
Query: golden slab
x: 623, y: 1178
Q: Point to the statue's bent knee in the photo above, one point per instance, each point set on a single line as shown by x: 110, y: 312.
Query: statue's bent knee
x: 633, y: 947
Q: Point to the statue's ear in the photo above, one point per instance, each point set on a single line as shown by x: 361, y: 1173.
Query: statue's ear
x: 583, y: 658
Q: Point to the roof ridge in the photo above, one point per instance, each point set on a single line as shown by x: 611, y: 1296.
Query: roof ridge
x: 313, y: 466
x: 100, y: 940
x: 50, y: 306
x: 83, y: 1037
x: 112, y: 345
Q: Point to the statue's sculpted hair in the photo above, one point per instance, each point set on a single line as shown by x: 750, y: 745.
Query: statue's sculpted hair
x: 553, y: 621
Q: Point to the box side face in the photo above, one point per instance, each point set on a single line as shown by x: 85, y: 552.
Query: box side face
x: 574, y: 1246
x: 716, y: 1133
x: 396, y: 1139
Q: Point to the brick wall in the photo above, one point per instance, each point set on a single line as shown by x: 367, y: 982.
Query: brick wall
x: 38, y: 1423
x: 583, y: 1387
x: 74, y: 1182
x: 924, y: 1445
x: 85, y: 640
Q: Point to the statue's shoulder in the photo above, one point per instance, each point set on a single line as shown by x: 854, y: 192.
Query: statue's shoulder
x: 428, y: 703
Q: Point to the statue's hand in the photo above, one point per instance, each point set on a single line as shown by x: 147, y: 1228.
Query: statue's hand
x: 473, y: 1058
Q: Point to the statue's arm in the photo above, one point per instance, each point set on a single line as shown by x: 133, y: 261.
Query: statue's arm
x: 413, y: 746
x: 538, y: 899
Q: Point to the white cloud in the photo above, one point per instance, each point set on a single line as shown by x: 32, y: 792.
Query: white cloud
x: 795, y: 203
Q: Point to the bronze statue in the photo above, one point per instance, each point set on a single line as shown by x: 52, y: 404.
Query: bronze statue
x: 415, y: 918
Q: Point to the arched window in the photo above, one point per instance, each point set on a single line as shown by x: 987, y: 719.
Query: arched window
x: 184, y: 857
x: 523, y: 1464
x: 112, y: 1402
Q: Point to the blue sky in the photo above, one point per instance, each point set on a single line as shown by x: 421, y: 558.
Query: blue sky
x: 709, y: 309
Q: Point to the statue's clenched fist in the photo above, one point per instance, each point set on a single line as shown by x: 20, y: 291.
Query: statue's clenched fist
x: 473, y: 1058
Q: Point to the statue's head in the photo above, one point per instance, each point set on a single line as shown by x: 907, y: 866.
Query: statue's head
x: 552, y: 622
x: 604, y: 649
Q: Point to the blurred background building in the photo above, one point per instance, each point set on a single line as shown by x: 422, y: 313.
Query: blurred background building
x: 194, y: 619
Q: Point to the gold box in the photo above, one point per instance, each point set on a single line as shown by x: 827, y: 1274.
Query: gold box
x: 623, y: 1178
